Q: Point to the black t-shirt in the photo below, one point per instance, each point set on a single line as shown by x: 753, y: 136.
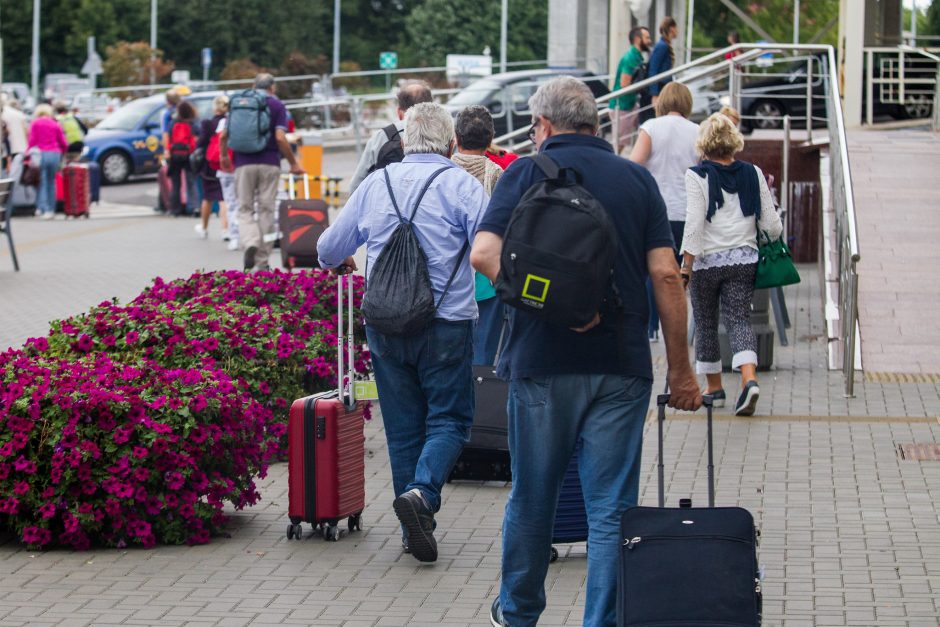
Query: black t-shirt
x: 629, y: 193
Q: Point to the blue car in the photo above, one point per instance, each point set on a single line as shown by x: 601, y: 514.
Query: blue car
x: 127, y: 142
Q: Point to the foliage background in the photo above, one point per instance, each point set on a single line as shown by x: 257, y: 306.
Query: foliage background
x: 265, y: 33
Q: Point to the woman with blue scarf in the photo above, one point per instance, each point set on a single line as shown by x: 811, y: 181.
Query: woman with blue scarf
x: 728, y: 203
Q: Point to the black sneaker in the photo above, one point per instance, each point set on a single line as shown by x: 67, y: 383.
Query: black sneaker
x: 718, y: 398
x: 747, y: 402
x: 250, y: 253
x: 418, y: 520
x: 496, y: 615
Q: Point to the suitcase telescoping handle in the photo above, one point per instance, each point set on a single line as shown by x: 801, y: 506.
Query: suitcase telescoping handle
x: 661, y: 401
x: 346, y: 389
x: 290, y: 186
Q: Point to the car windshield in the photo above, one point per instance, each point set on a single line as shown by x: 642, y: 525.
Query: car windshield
x: 127, y: 117
x: 475, y: 94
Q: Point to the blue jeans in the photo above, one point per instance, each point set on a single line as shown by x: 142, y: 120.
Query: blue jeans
x: 425, y: 385
x: 48, y: 166
x: 548, y: 417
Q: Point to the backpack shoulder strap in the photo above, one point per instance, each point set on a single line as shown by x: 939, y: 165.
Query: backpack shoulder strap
x: 391, y: 193
x: 547, y: 165
x: 453, y: 274
x: 424, y: 189
x: 391, y: 132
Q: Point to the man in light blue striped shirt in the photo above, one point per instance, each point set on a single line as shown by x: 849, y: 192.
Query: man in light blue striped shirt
x: 425, y: 380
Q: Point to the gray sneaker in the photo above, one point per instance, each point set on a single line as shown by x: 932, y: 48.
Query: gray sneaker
x: 250, y: 253
x: 747, y: 402
x: 418, y: 520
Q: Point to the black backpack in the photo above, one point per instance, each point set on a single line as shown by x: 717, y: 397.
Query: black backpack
x: 641, y: 73
x: 391, y: 151
x: 558, y: 250
x: 398, y: 299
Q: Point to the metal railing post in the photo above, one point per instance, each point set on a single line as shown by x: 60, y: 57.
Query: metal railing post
x: 733, y: 86
x: 357, y: 124
x: 870, y: 87
x: 936, y: 103
x: 785, y: 169
x: 809, y: 99
x: 328, y: 91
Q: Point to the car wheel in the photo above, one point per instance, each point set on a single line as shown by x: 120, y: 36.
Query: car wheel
x: 767, y: 114
x: 115, y: 167
x: 917, y: 107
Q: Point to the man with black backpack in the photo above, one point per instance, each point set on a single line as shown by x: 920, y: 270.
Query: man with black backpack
x: 256, y: 132
x: 385, y: 145
x: 569, y: 238
x: 416, y: 219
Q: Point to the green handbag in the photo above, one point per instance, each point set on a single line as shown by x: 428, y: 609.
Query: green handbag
x: 775, y: 265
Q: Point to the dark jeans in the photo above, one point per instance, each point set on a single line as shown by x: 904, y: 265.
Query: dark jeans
x: 603, y: 416
x: 678, y: 231
x: 175, y: 169
x: 425, y: 385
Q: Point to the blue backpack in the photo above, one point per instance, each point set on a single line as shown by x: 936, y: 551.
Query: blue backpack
x: 249, y: 122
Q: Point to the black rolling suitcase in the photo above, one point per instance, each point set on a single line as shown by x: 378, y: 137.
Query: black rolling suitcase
x: 486, y: 455
x: 690, y: 566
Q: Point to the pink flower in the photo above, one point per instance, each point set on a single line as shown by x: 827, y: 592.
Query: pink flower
x: 131, y: 338
x: 140, y: 452
x: 20, y: 488
x: 47, y: 510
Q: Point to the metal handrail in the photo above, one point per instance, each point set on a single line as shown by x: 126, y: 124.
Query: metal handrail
x: 902, y: 81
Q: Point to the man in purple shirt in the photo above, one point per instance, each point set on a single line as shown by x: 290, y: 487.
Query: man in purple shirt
x: 256, y: 178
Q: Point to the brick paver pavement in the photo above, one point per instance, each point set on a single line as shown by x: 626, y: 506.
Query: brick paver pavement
x: 896, y: 199
x: 849, y: 530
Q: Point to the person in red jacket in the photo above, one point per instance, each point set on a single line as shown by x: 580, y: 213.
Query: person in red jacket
x: 500, y: 157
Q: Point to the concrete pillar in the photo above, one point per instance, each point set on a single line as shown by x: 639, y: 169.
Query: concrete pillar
x: 567, y: 28
x: 851, y: 59
x: 596, y: 45
x: 620, y: 23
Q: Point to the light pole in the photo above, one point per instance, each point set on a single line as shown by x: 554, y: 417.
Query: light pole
x: 503, y: 35
x: 336, y: 17
x: 688, y: 31
x: 34, y: 64
x: 796, y: 21
x: 153, y: 41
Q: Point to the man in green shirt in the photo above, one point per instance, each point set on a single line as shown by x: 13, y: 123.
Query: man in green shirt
x: 622, y: 115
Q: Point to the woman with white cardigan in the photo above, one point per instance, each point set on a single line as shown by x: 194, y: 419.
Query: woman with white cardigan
x: 728, y: 203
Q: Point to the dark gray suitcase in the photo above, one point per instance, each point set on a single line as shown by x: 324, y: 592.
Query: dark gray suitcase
x: 486, y: 455
x: 694, y: 567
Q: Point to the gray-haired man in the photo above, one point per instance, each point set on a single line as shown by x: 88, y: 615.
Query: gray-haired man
x: 425, y: 380
x: 589, y: 388
x: 256, y: 178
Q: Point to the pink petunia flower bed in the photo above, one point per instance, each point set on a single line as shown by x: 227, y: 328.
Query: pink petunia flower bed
x: 135, y: 424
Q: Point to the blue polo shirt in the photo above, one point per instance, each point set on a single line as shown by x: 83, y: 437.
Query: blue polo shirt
x: 629, y: 193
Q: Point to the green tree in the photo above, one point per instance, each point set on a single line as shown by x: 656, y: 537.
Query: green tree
x: 129, y: 63
x: 932, y: 21
x: 439, y: 27
x: 713, y: 21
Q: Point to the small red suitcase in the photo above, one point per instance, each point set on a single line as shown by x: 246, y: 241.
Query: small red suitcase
x: 302, y: 221
x: 76, y: 189
x: 326, y: 451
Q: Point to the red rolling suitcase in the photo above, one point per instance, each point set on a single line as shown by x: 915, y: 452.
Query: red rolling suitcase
x: 326, y: 451
x: 76, y: 189
x: 302, y: 221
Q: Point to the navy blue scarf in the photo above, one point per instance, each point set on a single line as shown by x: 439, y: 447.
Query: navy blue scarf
x: 738, y: 178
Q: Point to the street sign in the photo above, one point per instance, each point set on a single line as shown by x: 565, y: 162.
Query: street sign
x: 469, y: 65
x: 206, y: 57
x: 92, y: 65
x: 388, y: 60
x: 180, y: 77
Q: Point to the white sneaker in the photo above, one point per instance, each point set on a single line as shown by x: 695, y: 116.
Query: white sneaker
x: 233, y: 244
x: 47, y: 216
x: 38, y: 213
x: 201, y: 232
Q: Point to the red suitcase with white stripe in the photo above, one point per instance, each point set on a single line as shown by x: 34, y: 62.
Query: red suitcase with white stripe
x: 326, y: 451
x: 76, y: 178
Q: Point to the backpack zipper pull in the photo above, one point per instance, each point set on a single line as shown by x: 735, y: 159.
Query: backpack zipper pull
x: 632, y: 542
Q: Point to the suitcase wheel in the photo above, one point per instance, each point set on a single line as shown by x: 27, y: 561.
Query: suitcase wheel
x: 354, y: 522
x: 295, y: 531
x: 554, y: 557
x: 331, y: 533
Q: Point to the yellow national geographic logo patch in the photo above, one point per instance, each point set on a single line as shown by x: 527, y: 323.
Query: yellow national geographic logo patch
x: 153, y: 143
x: 535, y: 289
